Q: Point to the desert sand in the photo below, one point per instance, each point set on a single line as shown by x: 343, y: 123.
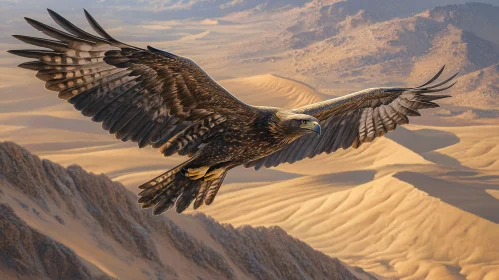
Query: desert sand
x: 420, y: 203
x: 77, y: 225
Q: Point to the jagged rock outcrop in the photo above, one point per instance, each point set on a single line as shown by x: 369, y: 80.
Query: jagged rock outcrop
x: 65, y: 223
x: 326, y: 20
x: 287, y: 257
x: 362, y: 46
x: 28, y: 254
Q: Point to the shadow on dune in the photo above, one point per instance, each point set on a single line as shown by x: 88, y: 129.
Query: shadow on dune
x: 478, y: 179
x: 351, y: 178
x: 243, y: 175
x: 460, y: 173
x: 467, y: 197
x: 425, y: 141
x: 443, y: 160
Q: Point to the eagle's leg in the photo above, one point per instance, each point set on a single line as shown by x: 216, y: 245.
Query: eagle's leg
x: 214, y: 174
x: 196, y: 173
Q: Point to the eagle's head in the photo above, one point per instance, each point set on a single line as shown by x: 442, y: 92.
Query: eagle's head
x: 298, y: 124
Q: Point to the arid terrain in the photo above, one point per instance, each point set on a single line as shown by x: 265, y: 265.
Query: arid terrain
x: 76, y: 225
x: 420, y: 203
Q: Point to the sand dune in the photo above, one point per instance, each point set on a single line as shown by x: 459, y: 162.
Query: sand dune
x: 430, y: 214
x: 476, y: 150
x: 77, y: 225
x: 419, y: 203
x: 386, y: 225
x: 272, y: 90
x: 54, y: 130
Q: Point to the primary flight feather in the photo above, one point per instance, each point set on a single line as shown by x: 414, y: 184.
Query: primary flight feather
x: 153, y: 97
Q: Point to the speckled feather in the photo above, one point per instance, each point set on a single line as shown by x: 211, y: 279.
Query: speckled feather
x: 357, y: 118
x: 153, y: 97
x: 132, y: 91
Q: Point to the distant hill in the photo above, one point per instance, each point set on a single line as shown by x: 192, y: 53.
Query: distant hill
x: 205, y: 9
x: 368, y: 48
x: 58, y: 223
x: 478, y: 89
x: 325, y: 20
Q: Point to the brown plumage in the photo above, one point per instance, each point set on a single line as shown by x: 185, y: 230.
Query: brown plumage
x: 153, y: 97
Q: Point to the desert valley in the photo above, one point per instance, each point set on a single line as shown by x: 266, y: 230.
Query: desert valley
x: 420, y: 203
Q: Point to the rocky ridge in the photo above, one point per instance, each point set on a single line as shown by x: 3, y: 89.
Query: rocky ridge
x: 65, y: 223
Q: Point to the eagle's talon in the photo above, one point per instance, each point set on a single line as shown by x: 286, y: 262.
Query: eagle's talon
x: 214, y: 174
x: 196, y: 173
x: 209, y: 178
x: 198, y: 117
x: 183, y: 171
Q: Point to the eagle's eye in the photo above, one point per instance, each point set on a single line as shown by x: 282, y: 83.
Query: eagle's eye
x: 303, y: 121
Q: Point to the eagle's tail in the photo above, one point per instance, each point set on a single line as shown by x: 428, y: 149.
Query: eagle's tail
x: 174, y: 188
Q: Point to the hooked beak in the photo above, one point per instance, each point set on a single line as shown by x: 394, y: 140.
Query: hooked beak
x: 313, y: 126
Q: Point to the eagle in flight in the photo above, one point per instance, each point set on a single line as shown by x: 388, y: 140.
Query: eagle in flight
x: 153, y: 97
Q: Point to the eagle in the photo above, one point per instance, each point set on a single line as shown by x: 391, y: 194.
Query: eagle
x: 160, y: 99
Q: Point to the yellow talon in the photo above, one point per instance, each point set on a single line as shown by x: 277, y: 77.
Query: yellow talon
x: 214, y: 174
x: 196, y: 173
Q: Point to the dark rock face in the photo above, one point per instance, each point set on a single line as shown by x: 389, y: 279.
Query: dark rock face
x: 111, y: 213
x: 29, y: 254
x: 395, y: 38
x: 281, y: 256
x: 95, y: 199
x: 199, y: 253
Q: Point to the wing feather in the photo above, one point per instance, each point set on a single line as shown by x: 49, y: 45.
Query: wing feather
x: 362, y: 126
x: 148, y: 96
x: 351, y: 132
x: 338, y: 133
x: 357, y: 118
x: 378, y: 124
x: 371, y: 134
x: 209, y: 197
x: 386, y: 120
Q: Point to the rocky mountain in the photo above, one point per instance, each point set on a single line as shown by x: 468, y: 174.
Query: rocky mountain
x: 479, y: 89
x: 323, y: 20
x: 359, y: 48
x: 201, y: 9
x: 342, y: 46
x: 58, y: 223
x: 29, y: 254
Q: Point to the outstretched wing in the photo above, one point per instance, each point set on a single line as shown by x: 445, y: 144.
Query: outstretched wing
x: 360, y: 117
x: 147, y: 96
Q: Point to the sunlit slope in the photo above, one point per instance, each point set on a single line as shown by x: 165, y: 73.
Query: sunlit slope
x: 272, y: 90
x: 432, y: 213
x: 386, y: 225
x: 54, y: 130
x: 478, y: 147
x: 60, y: 223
